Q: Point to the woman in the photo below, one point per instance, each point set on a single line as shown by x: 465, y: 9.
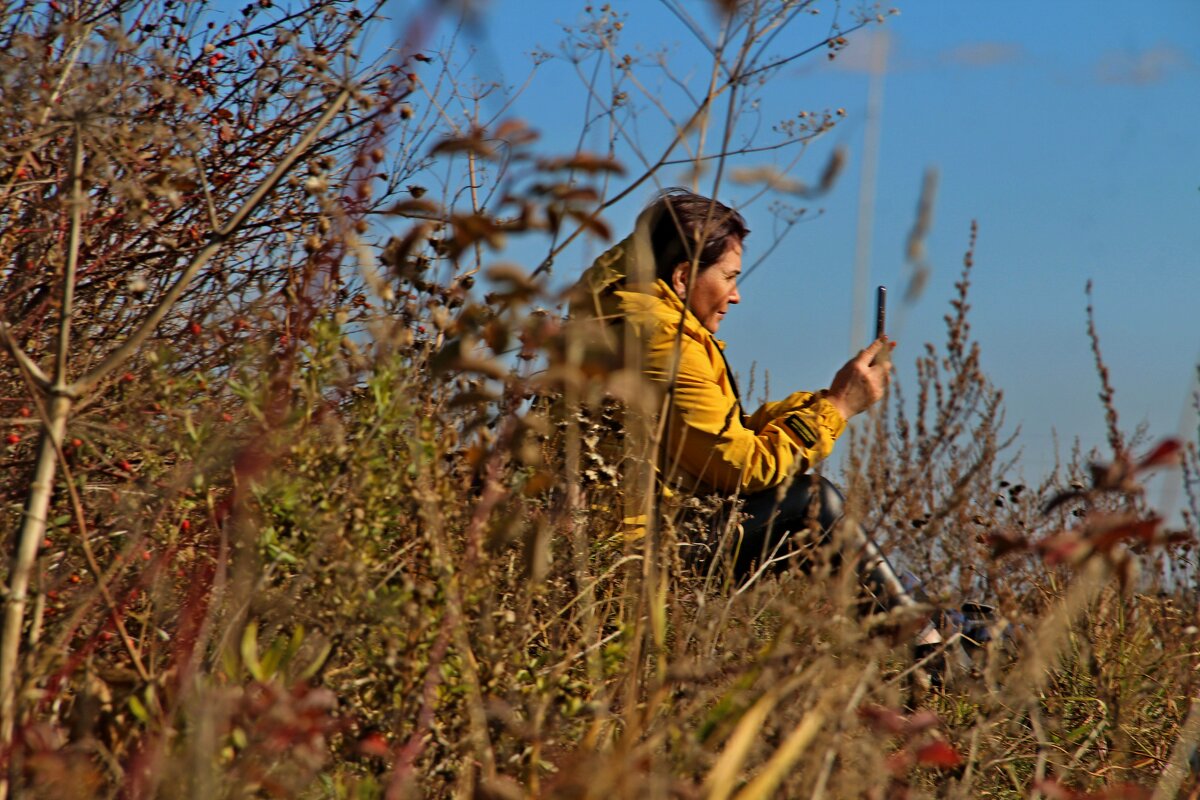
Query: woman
x: 671, y: 283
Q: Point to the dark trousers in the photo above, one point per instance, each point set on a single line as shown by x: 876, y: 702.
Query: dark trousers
x: 794, y: 526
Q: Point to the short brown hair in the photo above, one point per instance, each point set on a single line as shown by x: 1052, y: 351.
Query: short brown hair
x: 687, y: 219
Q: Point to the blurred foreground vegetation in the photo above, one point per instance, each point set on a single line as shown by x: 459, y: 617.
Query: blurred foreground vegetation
x: 326, y: 506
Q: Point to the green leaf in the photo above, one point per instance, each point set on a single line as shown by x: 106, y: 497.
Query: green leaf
x: 318, y: 662
x: 138, y: 709
x: 294, y: 645
x: 273, y: 658
x: 249, y: 651
x: 281, y: 555
x: 229, y: 662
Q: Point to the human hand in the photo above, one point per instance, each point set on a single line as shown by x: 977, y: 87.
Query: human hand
x: 860, y: 383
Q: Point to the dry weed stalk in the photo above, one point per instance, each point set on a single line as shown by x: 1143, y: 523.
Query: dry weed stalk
x: 312, y: 514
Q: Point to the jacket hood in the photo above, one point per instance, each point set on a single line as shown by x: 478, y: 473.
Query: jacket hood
x: 621, y: 283
x: 629, y: 264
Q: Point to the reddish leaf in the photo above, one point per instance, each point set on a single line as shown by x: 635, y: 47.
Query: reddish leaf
x: 1108, y: 536
x: 1166, y: 453
x: 922, y: 721
x: 899, y: 762
x: 373, y: 744
x: 939, y: 754
x: 1063, y: 546
x: 883, y: 720
x: 1054, y: 790
x: 886, y: 720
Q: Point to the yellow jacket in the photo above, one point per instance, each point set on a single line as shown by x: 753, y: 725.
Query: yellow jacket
x: 709, y: 443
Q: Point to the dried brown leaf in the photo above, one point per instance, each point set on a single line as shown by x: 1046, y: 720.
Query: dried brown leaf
x: 1004, y: 542
x: 515, y: 131
x: 473, y: 143
x: 591, y: 223
x: 584, y: 162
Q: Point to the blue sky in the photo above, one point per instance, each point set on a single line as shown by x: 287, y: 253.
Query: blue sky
x: 1069, y: 130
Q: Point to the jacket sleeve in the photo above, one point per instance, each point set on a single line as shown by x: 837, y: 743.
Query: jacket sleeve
x: 708, y: 438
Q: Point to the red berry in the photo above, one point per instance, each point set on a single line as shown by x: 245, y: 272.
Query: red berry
x: 125, y: 465
x: 195, y: 329
x: 24, y: 412
x: 13, y: 438
x: 186, y: 525
x: 145, y: 555
x: 77, y: 443
x: 373, y: 744
x: 46, y: 542
x: 75, y: 578
x: 128, y: 377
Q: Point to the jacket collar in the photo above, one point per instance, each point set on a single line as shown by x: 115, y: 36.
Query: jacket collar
x: 691, y: 325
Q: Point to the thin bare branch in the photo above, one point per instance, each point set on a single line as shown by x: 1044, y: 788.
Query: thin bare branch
x: 217, y: 240
x: 22, y: 358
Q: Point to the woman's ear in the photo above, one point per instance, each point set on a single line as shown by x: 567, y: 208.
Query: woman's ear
x: 679, y: 279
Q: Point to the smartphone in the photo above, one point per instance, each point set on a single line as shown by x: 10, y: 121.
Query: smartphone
x: 880, y: 311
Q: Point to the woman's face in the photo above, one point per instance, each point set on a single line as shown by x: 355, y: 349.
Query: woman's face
x: 714, y: 288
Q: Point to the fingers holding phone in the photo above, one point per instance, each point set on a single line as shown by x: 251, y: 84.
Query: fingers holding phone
x: 861, y: 382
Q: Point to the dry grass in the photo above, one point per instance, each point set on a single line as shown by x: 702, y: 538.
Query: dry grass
x: 344, y: 522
